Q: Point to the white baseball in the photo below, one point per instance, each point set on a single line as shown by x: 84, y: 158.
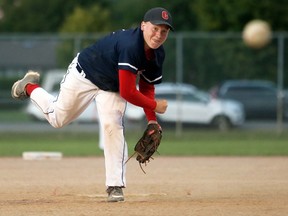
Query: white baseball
x: 257, y: 34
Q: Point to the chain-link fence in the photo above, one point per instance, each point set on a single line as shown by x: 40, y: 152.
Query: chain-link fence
x: 202, y: 59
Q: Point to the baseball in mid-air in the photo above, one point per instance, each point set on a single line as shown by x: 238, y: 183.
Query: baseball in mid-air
x: 257, y: 34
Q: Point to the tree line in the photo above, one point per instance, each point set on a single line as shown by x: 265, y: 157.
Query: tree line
x: 36, y: 16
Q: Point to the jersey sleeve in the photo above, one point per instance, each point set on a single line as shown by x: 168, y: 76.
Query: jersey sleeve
x: 149, y: 91
x: 128, y: 59
x: 128, y: 90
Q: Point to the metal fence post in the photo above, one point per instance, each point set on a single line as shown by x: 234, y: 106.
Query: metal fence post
x: 280, y: 77
x: 179, y: 77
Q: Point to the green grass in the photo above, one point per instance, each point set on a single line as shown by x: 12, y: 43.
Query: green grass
x: 235, y: 143
x: 190, y: 143
x: 14, y: 115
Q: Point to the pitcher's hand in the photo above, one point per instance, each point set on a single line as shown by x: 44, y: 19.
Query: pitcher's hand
x: 161, y: 106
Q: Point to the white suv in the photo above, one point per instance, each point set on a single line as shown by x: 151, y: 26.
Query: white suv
x: 187, y: 104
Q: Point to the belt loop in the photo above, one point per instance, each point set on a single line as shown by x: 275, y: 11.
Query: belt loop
x: 80, y: 70
x: 83, y: 74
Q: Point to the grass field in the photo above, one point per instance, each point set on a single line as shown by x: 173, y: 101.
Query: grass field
x: 190, y: 143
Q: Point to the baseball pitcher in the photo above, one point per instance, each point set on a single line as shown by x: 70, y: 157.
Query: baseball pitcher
x: 107, y: 72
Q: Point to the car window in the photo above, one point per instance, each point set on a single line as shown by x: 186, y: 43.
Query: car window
x: 250, y: 90
x: 204, y: 96
x: 191, y: 97
x: 199, y: 97
x: 167, y: 96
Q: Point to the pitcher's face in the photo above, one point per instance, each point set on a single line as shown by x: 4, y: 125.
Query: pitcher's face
x: 154, y: 35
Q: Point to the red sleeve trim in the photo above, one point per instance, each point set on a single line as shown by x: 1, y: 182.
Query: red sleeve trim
x: 149, y: 91
x: 128, y: 90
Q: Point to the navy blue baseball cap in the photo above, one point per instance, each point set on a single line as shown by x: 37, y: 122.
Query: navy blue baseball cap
x: 159, y: 16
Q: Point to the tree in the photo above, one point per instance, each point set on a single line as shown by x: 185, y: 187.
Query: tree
x: 188, y: 15
x: 31, y: 16
x: 93, y: 19
x: 227, y: 15
x: 129, y: 13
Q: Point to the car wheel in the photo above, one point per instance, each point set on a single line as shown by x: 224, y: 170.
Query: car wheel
x: 222, y: 123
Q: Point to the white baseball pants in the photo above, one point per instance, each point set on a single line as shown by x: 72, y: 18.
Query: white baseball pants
x: 76, y: 93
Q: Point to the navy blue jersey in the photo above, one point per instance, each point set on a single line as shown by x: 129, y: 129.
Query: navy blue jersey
x: 120, y: 50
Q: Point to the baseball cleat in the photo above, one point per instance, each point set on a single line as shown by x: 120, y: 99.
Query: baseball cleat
x: 115, y: 194
x: 19, y: 88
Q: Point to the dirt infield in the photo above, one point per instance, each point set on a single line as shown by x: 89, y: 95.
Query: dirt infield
x: 218, y: 186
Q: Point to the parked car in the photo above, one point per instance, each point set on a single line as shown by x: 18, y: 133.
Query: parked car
x: 259, y: 97
x: 187, y: 104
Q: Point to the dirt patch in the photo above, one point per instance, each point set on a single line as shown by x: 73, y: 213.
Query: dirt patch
x: 225, y: 186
